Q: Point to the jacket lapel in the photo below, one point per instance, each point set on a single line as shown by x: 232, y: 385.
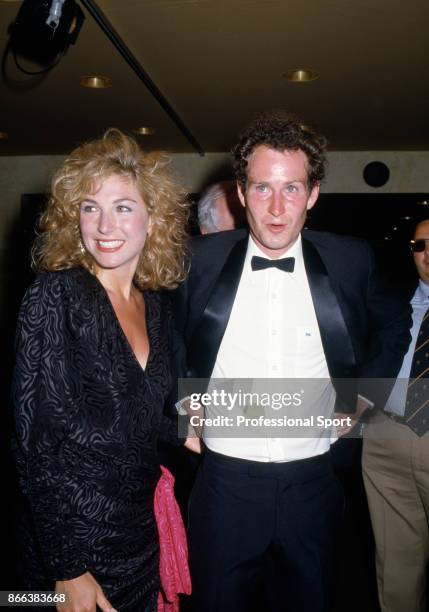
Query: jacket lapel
x: 336, y: 340
x: 207, y: 336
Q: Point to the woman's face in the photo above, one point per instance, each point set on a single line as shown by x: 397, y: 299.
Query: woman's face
x: 114, y: 223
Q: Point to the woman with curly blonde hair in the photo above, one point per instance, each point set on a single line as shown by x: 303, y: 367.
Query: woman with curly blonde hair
x: 92, y: 374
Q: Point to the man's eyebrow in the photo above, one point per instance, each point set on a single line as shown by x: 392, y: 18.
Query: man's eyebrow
x: 262, y: 181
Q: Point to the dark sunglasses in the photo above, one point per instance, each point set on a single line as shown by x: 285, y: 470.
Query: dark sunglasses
x: 417, y: 246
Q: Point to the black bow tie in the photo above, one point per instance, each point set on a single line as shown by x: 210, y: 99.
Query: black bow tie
x: 287, y: 264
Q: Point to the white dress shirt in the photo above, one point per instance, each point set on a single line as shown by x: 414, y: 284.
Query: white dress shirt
x: 272, y: 332
x: 398, y: 396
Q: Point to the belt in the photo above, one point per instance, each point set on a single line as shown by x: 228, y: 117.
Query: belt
x: 396, y: 418
x: 298, y: 469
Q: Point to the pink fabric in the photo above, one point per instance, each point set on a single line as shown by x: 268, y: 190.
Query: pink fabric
x: 173, y: 565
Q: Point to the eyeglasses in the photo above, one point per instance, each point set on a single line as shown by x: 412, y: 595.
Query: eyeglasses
x: 417, y: 246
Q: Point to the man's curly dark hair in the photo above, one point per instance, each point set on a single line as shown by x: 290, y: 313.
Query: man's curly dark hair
x: 281, y: 131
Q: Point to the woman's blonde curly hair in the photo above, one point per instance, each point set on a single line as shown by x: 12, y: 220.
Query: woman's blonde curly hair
x: 58, y: 245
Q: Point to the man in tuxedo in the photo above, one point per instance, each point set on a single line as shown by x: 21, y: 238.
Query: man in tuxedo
x: 279, y: 302
x: 396, y: 461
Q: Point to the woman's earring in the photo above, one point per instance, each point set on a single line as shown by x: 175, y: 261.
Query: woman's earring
x: 81, y: 247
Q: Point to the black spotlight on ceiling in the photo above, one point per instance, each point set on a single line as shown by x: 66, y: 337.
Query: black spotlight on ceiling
x: 43, y: 31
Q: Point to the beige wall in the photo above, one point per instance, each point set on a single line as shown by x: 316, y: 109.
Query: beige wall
x: 409, y: 170
x: 31, y: 174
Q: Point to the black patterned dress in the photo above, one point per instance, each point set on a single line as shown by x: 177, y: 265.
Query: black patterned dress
x: 88, y: 419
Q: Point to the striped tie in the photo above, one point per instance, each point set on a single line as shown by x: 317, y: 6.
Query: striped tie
x: 417, y: 406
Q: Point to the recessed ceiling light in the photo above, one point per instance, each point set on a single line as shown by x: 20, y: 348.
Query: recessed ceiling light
x: 301, y: 76
x: 423, y: 203
x: 4, y: 135
x: 144, y: 130
x: 96, y: 82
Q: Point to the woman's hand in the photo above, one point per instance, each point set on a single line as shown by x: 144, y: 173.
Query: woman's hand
x: 84, y: 595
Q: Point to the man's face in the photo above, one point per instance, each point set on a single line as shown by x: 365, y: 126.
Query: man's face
x: 229, y: 212
x: 421, y: 259
x: 224, y: 217
x: 276, y: 198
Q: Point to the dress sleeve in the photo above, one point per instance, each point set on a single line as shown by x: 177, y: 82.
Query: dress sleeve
x: 41, y: 398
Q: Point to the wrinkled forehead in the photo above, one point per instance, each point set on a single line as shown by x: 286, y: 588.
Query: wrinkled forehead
x: 267, y: 155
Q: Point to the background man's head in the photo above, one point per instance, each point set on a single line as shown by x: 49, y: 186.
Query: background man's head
x: 220, y: 209
x: 279, y: 165
x: 421, y: 257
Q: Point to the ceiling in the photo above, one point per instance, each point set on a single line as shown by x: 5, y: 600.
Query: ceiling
x: 218, y: 62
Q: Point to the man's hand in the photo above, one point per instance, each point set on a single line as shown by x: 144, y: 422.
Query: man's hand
x: 84, y: 595
x: 184, y: 406
x: 362, y: 405
x: 193, y: 443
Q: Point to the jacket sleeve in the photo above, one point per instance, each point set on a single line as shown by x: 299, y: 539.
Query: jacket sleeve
x: 174, y: 428
x: 41, y: 397
x: 389, y: 316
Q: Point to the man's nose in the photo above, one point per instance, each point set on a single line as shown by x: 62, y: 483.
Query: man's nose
x: 277, y: 206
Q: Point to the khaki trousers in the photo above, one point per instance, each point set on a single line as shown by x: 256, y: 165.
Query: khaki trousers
x: 396, y: 476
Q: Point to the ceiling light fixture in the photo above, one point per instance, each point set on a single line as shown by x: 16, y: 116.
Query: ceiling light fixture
x: 144, y: 130
x: 96, y: 82
x: 301, y: 76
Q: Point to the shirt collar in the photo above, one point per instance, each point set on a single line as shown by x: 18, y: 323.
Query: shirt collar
x: 422, y: 292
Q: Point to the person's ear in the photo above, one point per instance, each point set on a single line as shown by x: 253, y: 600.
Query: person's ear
x: 241, y: 195
x: 314, y: 194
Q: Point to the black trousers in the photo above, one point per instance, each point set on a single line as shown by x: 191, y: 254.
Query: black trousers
x: 263, y: 536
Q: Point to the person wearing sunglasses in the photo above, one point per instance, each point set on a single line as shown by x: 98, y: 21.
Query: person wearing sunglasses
x: 396, y: 461
x: 420, y: 249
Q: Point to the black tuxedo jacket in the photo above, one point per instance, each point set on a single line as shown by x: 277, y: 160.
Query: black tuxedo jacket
x: 364, y: 327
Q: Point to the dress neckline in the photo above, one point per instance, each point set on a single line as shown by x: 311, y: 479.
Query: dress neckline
x: 147, y: 306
